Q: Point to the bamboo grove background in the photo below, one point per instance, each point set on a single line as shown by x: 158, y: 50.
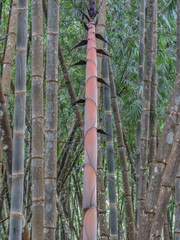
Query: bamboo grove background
x: 127, y: 25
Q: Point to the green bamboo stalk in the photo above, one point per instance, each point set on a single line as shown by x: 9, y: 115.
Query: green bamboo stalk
x: 37, y: 122
x: 19, y: 123
x: 109, y: 147
x: 153, y: 106
x: 130, y: 226
x: 140, y: 85
x: 51, y: 120
x: 145, y: 118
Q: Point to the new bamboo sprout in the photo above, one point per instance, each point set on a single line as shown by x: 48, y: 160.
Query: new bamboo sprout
x: 90, y: 133
x: 19, y: 124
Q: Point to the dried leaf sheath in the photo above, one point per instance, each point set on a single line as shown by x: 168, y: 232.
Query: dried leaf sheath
x: 90, y: 132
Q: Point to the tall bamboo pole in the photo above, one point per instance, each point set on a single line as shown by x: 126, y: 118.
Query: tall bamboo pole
x: 37, y: 122
x: 101, y: 192
x: 130, y: 225
x: 162, y: 156
x: 145, y: 119
x: 51, y: 120
x: 177, y: 182
x: 90, y: 133
x: 140, y: 85
x: 166, y: 188
x: 153, y: 105
x: 19, y: 123
x: 110, y: 153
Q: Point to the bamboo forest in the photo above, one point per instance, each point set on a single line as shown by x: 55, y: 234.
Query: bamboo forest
x: 89, y: 120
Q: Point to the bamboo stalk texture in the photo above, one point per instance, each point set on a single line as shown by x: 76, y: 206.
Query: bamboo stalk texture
x: 19, y: 124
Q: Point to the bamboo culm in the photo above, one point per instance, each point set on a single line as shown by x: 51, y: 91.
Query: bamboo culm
x: 162, y: 155
x: 51, y: 120
x: 90, y: 133
x: 145, y: 118
x: 109, y: 147
x: 19, y: 124
x: 130, y: 225
x: 140, y: 84
x: 37, y: 122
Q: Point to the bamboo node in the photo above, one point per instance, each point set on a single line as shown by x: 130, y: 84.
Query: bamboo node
x: 22, y: 9
x: 52, y: 33
x: 37, y: 200
x: 91, y: 77
x: 19, y: 133
x: 37, y: 35
x: 20, y: 92
x: 36, y: 76
x: 107, y: 112
x: 17, y: 175
x: 51, y: 81
x: 49, y: 227
x: 15, y: 214
x: 21, y: 50
x: 111, y: 175
x: 91, y: 61
x: 112, y: 205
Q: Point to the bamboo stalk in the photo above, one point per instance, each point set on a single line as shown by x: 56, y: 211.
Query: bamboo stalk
x: 130, y: 226
x: 9, y: 52
x: 145, y: 118
x: 166, y: 188
x: 101, y: 196
x: 19, y: 124
x: 51, y: 120
x: 153, y: 106
x: 177, y: 182
x: 140, y: 85
x: 90, y: 145
x: 113, y: 233
x: 37, y: 122
x: 163, y: 153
